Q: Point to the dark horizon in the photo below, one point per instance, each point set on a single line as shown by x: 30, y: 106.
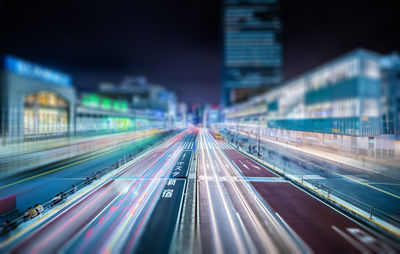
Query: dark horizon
x: 178, y: 45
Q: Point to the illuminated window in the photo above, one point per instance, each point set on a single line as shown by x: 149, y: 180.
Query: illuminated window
x: 45, y: 113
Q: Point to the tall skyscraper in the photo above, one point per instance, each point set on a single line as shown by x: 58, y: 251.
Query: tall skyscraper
x: 252, y: 49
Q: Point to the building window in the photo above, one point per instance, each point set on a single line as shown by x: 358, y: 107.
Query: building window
x: 45, y: 114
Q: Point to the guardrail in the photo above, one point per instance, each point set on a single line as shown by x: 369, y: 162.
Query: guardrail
x: 61, y: 197
x: 363, y: 212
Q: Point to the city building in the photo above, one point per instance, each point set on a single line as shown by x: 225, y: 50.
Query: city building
x: 35, y: 101
x: 351, y: 103
x: 182, y: 115
x: 211, y: 115
x: 96, y: 112
x: 252, y: 49
x: 143, y: 95
x: 197, y: 114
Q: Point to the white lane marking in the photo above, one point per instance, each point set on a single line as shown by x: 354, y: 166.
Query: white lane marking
x: 265, y: 239
x: 369, y: 241
x: 251, y: 244
x: 216, y: 164
x: 237, y: 166
x: 267, y: 242
x: 228, y: 212
x: 243, y: 164
x: 351, y: 240
x: 254, y: 166
x: 80, y: 233
x: 216, y: 238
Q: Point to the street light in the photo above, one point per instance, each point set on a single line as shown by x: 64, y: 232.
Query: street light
x: 237, y: 132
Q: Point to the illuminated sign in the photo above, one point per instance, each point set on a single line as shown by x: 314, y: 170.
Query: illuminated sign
x: 96, y: 101
x: 30, y: 70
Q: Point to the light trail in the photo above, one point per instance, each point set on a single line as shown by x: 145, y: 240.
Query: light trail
x: 57, y: 232
x: 238, y: 242
x: 217, y: 238
x: 269, y: 243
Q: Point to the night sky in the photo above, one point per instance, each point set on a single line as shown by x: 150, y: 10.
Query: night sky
x: 177, y: 43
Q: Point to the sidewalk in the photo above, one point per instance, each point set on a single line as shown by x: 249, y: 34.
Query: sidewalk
x: 388, y: 168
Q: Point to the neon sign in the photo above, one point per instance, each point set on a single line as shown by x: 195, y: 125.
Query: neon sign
x: 31, y: 70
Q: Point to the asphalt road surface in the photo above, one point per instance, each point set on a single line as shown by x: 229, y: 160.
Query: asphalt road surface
x: 110, y: 217
x: 241, y: 207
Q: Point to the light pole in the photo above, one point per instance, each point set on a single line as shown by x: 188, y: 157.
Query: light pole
x: 237, y: 131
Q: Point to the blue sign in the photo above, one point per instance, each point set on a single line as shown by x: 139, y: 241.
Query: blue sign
x: 30, y: 70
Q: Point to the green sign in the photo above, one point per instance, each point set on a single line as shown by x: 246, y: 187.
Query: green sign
x: 93, y: 100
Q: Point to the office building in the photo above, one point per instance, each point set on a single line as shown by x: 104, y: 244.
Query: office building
x: 252, y: 49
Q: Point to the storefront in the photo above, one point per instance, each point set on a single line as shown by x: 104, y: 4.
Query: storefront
x: 36, y: 102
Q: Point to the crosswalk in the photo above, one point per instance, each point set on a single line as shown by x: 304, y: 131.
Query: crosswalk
x: 191, y: 144
x: 215, y: 145
x: 187, y: 145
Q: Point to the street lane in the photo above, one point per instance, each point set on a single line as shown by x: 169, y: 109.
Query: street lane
x: 243, y: 207
x: 322, y: 228
x: 120, y: 226
x: 164, y: 220
x: 248, y: 167
x: 359, y: 187
x: 60, y: 230
x: 40, y: 186
x: 232, y: 218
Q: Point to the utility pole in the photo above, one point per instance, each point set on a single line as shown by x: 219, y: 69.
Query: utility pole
x: 237, y: 130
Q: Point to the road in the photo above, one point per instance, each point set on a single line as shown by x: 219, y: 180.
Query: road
x: 41, y: 185
x: 361, y: 188
x: 241, y: 206
x: 232, y: 219
x: 315, y: 226
x: 111, y: 217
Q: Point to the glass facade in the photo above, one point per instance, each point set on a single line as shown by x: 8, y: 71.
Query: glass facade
x: 252, y: 48
x: 348, y: 96
x: 45, y: 113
